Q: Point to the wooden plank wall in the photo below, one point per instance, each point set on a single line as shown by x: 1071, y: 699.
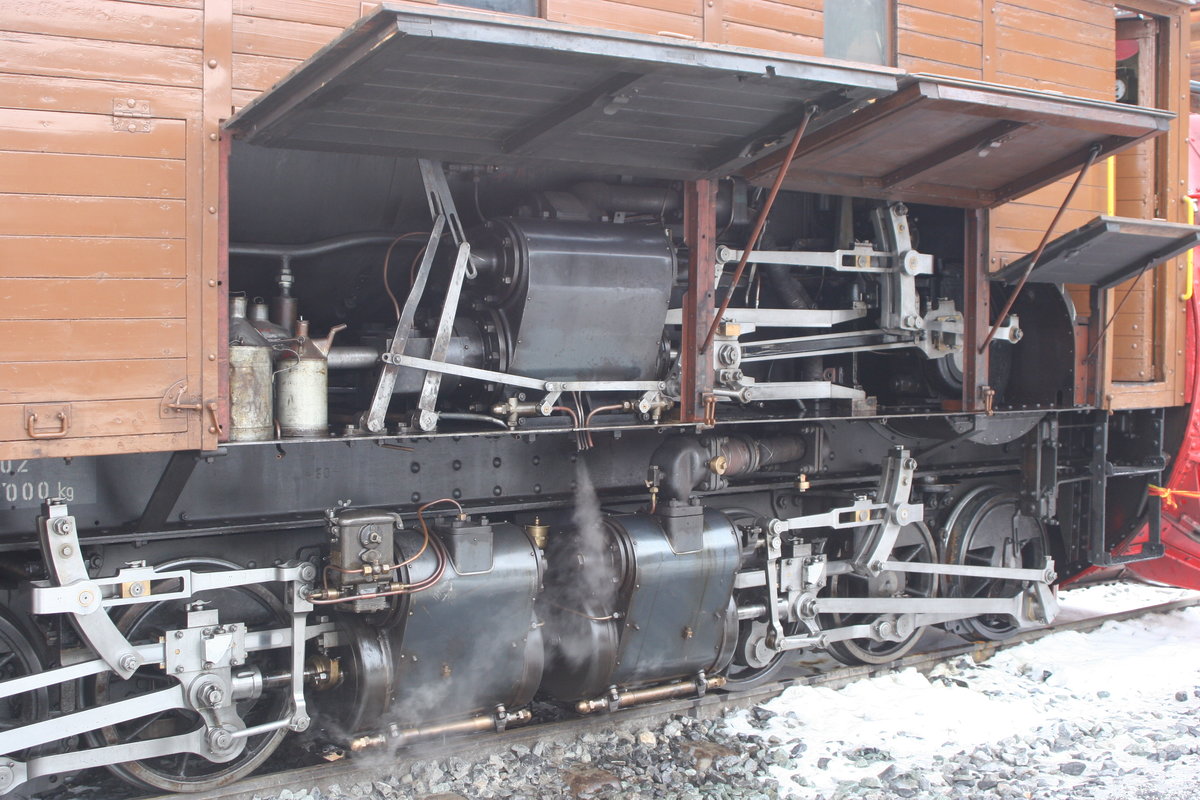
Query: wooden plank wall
x: 271, y: 37
x: 101, y: 301
x: 109, y: 239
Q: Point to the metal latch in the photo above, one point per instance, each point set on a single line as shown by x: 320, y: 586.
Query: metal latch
x: 131, y: 115
x: 173, y: 403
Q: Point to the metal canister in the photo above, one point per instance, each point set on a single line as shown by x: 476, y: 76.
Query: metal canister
x: 259, y: 317
x: 302, y: 391
x: 250, y: 385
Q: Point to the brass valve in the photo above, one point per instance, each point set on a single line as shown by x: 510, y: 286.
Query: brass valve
x: 323, y: 672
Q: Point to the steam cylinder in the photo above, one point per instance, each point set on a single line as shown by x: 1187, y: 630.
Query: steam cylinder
x: 639, y: 599
x: 453, y: 652
x: 250, y: 371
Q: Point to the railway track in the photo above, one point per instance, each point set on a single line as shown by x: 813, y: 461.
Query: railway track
x: 810, y: 673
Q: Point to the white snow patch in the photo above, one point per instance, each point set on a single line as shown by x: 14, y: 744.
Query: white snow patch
x: 1107, y: 699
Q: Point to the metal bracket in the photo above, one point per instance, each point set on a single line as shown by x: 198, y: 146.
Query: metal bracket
x: 444, y: 214
x: 59, y: 536
x: 374, y: 419
x: 426, y: 416
x: 895, y: 488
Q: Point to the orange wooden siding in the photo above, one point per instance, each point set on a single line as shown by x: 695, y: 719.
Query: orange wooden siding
x: 102, y: 267
x: 110, y: 264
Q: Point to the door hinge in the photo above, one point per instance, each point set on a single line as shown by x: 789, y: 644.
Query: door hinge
x: 131, y: 115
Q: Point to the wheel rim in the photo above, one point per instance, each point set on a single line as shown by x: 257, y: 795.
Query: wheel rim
x: 188, y: 772
x: 913, y: 544
x: 751, y: 664
x: 20, y: 656
x: 988, y: 529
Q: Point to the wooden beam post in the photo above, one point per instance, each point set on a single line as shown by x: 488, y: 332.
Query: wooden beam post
x: 699, y: 302
x: 977, y: 313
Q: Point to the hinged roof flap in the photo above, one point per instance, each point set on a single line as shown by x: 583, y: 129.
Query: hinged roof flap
x: 1106, y: 251
x: 480, y: 88
x: 960, y: 143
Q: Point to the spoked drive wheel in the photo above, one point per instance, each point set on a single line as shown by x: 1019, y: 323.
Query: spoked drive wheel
x: 913, y: 544
x: 254, y: 606
x: 753, y: 663
x: 988, y: 529
x: 20, y: 655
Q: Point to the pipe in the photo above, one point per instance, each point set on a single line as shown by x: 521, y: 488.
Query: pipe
x: 606, y: 197
x: 290, y: 251
x: 587, y: 423
x: 465, y: 417
x: 403, y: 736
x: 353, y: 357
x: 635, y: 697
x: 686, y: 461
x: 789, y: 287
x: 682, y: 460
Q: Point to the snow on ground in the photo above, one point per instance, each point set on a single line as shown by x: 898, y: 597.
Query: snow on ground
x: 1114, y: 713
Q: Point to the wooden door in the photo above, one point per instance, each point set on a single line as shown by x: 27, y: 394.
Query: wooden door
x: 108, y: 299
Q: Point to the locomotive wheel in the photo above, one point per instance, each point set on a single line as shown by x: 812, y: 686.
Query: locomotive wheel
x: 753, y: 664
x: 20, y: 656
x: 914, y: 544
x: 988, y: 529
x: 254, y: 606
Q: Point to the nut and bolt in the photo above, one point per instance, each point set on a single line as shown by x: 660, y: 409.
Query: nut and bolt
x: 219, y: 740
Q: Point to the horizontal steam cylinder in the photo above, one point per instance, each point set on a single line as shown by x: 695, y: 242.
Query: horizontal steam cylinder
x: 455, y: 651
x: 639, y: 599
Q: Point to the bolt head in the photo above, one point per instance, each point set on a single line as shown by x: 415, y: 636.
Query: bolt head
x: 219, y: 740
x: 129, y: 662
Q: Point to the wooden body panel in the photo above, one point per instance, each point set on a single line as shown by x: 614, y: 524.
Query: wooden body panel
x: 111, y: 248
x: 101, y: 197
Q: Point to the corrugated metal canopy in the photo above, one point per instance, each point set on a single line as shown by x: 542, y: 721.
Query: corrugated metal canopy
x: 488, y: 89
x: 961, y: 143
x: 1106, y: 252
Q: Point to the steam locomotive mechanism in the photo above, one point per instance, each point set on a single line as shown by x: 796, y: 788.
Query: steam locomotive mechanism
x: 202, y: 657
x: 500, y: 387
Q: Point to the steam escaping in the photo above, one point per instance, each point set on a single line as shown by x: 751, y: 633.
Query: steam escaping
x: 582, y: 581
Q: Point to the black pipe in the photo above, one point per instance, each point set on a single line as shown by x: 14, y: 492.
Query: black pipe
x: 685, y: 460
x: 290, y: 251
x: 790, y: 290
x: 606, y: 199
